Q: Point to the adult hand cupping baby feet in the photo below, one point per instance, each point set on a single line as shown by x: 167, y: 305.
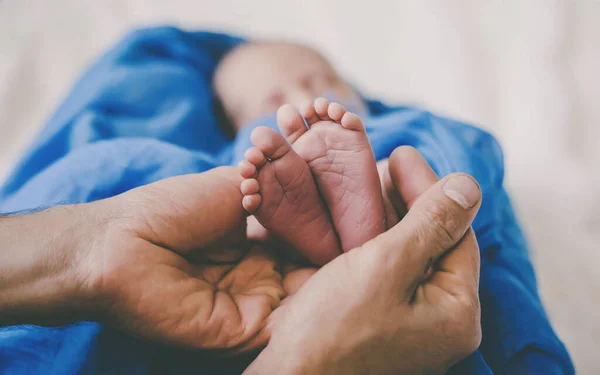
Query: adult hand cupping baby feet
x: 373, y: 310
x: 179, y: 269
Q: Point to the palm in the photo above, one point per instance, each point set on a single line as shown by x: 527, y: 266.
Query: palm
x: 182, y: 269
x: 203, y: 304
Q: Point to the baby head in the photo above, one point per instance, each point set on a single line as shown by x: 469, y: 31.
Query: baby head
x: 255, y: 79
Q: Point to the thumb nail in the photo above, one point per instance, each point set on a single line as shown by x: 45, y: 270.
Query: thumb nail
x: 464, y: 190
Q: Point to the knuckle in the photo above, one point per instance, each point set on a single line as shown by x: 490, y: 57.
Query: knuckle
x: 440, y: 224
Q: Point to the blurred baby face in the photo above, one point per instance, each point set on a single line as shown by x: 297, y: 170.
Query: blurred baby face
x: 254, y: 80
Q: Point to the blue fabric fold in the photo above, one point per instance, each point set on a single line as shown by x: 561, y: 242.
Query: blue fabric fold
x: 146, y: 111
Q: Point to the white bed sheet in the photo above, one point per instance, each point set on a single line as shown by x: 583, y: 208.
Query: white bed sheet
x: 525, y: 70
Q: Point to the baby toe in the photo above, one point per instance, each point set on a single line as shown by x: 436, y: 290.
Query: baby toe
x: 246, y: 169
x: 351, y: 121
x: 250, y: 186
x: 251, y: 202
x: 321, y: 107
x: 255, y: 156
x: 307, y: 110
x: 336, y: 111
x: 270, y: 142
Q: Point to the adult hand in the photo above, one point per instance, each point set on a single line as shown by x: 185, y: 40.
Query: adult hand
x: 374, y: 310
x: 168, y: 261
x: 222, y: 299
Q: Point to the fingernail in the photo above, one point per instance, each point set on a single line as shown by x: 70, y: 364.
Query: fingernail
x: 463, y: 190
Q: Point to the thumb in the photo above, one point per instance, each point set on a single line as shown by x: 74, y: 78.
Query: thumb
x: 188, y: 212
x: 435, y: 223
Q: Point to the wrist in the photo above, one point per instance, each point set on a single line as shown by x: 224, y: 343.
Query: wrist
x: 280, y: 358
x: 43, y: 266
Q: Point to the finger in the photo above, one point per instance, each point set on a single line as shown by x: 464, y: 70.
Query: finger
x: 457, y: 275
x: 440, y: 217
x: 462, y: 263
x: 391, y: 197
x: 294, y: 279
x: 410, y: 175
x: 437, y: 221
x: 404, y: 176
x: 175, y: 211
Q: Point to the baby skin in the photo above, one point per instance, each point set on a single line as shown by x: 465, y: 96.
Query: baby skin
x: 317, y: 188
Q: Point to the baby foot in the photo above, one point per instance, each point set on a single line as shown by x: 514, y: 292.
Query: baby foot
x: 280, y: 192
x: 339, y: 154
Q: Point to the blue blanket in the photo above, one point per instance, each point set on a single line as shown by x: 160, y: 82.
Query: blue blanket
x: 146, y: 111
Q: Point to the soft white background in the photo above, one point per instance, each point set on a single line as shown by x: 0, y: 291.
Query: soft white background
x: 526, y: 70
